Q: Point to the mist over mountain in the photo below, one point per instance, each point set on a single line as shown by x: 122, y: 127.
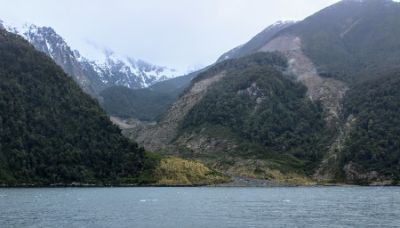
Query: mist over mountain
x: 93, y: 75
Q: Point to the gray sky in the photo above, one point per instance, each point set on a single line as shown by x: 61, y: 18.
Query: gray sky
x: 181, y: 34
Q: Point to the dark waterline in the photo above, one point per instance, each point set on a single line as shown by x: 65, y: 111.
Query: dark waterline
x: 200, y: 207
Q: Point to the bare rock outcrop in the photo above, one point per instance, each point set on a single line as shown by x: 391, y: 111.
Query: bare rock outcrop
x: 157, y: 137
x: 327, y: 90
x: 330, y: 92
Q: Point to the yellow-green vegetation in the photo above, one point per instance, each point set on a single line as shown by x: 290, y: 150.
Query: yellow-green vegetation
x: 263, y: 169
x: 178, y: 171
x: 161, y: 170
x: 289, y: 178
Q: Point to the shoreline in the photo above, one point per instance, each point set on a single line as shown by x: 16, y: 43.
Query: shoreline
x: 237, y: 182
x: 193, y: 186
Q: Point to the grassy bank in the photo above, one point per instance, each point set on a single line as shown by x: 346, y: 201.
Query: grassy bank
x: 174, y: 171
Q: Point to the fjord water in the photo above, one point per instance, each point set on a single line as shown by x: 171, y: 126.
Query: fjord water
x: 201, y: 207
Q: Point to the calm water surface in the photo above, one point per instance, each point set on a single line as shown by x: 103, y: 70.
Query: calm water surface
x: 201, y: 207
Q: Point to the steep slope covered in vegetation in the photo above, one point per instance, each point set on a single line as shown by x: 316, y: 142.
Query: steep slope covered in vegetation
x: 351, y: 39
x: 372, y: 151
x: 246, y: 113
x: 50, y: 131
x: 264, y: 112
x: 342, y: 53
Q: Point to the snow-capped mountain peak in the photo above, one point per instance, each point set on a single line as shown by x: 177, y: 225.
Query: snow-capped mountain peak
x: 129, y: 72
x: 110, y: 69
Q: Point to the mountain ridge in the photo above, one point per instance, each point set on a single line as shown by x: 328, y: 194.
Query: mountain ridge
x: 93, y: 75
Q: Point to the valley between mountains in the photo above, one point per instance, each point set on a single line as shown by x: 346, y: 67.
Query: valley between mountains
x: 302, y: 103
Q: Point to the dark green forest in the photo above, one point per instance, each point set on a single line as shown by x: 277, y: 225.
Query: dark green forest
x: 146, y: 104
x: 142, y: 104
x: 50, y: 131
x: 374, y: 143
x: 263, y: 107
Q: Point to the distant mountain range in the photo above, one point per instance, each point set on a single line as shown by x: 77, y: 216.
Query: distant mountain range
x: 93, y: 76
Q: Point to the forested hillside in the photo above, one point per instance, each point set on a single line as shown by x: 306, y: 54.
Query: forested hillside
x: 244, y: 116
x: 50, y: 131
x: 265, y: 112
x: 374, y: 144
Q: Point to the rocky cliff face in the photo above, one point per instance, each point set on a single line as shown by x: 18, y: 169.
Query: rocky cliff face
x: 46, y: 40
x: 328, y: 91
